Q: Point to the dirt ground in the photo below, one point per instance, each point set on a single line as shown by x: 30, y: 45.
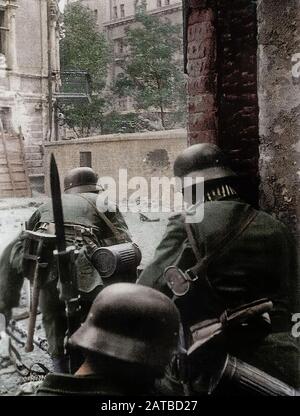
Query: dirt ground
x: 13, y: 214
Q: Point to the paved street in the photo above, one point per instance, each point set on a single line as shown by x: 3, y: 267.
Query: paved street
x: 13, y: 214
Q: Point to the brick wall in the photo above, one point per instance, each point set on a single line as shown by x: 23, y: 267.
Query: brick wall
x: 222, y: 88
x: 202, y: 75
x: 237, y: 89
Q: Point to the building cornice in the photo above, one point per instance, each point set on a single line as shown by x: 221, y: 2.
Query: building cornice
x: 156, y: 12
x: 9, y: 4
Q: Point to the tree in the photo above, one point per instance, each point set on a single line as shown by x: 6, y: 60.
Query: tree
x: 115, y: 122
x: 83, y: 48
x: 152, y: 74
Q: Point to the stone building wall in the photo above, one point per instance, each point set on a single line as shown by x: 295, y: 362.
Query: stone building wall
x: 279, y: 117
x: 145, y: 155
x: 24, y: 77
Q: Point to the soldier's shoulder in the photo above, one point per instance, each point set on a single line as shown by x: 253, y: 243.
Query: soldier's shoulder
x: 176, y: 215
x: 85, y: 198
x: 271, y: 222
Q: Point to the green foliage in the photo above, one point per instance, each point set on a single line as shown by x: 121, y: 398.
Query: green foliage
x: 152, y: 74
x: 83, y: 48
x: 82, y: 118
x: 124, y: 123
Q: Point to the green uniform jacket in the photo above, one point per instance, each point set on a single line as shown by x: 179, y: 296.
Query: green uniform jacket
x: 78, y: 210
x: 260, y: 263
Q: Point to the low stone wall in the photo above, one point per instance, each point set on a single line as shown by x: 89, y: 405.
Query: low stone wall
x: 142, y: 154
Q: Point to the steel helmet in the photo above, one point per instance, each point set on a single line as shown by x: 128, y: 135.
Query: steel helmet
x: 132, y: 323
x: 81, y: 180
x: 203, y: 160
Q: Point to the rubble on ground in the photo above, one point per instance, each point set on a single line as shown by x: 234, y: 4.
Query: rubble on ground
x: 14, y: 212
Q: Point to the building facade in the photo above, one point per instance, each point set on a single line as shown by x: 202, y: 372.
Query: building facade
x: 29, y: 75
x: 115, y: 16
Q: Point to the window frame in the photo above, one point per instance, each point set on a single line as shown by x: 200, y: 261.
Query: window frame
x: 3, y: 31
x: 85, y: 159
x: 122, y: 10
x: 115, y: 12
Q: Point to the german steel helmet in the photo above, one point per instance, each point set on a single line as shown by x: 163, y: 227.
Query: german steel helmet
x: 203, y: 160
x: 80, y: 180
x: 133, y: 323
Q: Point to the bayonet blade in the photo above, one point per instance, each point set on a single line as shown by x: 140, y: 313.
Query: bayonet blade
x: 57, y: 206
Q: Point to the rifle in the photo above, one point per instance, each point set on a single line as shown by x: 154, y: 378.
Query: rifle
x: 65, y: 258
x: 33, y: 261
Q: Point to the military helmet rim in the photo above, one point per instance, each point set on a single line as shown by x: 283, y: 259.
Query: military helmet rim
x: 119, y: 346
x: 208, y: 174
x: 117, y: 322
x: 203, y: 161
x: 81, y: 179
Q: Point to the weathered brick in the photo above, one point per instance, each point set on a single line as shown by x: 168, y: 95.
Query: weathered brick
x: 237, y: 73
x: 200, y: 67
x: 208, y: 136
x: 200, y: 50
x: 201, y: 31
x: 198, y: 16
x: 199, y: 4
x: 201, y: 85
x: 200, y: 103
x: 202, y: 121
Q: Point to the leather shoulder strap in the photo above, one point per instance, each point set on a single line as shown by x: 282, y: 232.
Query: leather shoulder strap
x: 104, y: 218
x: 205, y: 258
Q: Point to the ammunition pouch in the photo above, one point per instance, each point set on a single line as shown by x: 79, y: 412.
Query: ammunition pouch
x: 74, y: 232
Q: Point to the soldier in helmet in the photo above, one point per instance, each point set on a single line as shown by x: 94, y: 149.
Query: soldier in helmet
x: 127, y: 339
x: 87, y: 224
x: 232, y: 276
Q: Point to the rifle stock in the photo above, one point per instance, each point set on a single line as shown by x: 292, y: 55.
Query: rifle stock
x: 32, y: 314
x: 34, y: 301
x: 32, y: 260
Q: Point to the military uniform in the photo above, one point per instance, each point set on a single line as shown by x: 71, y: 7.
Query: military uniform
x: 69, y: 385
x: 80, y: 214
x: 258, y: 262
